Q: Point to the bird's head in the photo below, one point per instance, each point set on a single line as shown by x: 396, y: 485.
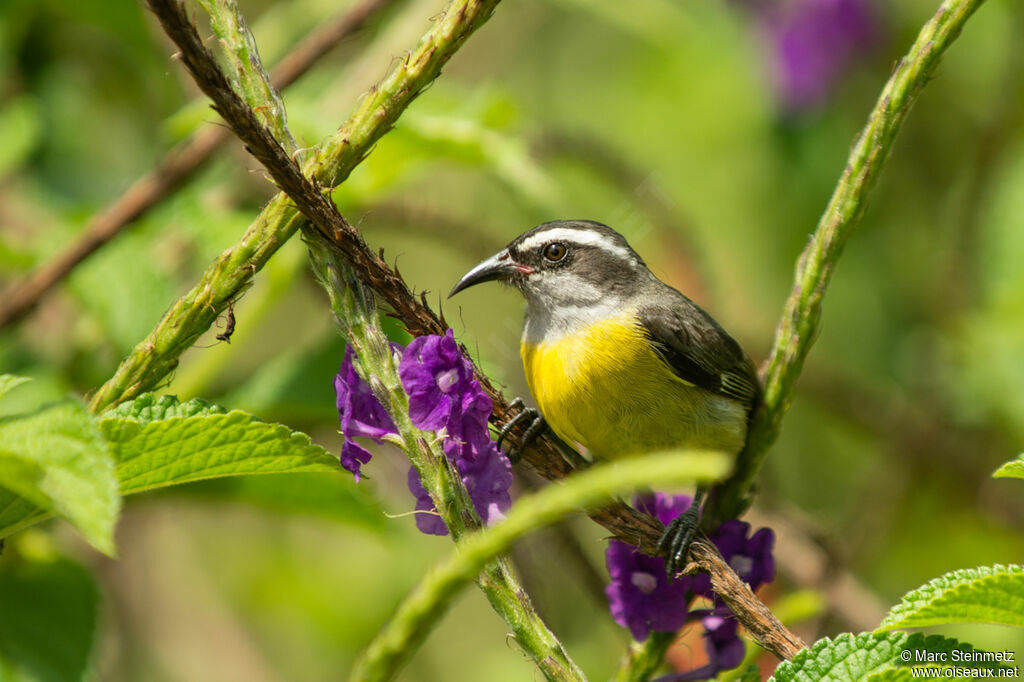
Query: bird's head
x: 575, y: 263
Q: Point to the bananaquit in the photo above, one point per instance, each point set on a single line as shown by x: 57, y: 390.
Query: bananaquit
x: 617, y: 360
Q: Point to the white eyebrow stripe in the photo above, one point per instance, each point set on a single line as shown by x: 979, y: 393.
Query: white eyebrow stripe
x: 584, y: 237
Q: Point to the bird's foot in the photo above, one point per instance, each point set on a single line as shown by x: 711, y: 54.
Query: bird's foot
x: 679, y: 535
x: 536, y: 425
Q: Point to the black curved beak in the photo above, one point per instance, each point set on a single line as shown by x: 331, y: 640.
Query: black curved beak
x: 498, y: 266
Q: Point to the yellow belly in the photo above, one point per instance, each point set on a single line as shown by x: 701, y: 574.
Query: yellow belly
x: 605, y: 388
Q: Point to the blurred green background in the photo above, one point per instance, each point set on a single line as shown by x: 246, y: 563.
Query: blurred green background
x: 660, y: 118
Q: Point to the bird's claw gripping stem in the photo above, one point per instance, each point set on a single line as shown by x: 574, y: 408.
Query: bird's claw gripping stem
x: 537, y: 425
x: 679, y: 535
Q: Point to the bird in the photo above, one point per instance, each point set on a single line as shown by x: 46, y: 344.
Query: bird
x: 618, y: 361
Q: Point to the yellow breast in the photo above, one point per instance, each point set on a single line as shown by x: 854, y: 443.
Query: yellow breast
x: 606, y: 388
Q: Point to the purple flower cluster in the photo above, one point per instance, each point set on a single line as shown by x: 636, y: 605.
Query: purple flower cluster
x: 813, y: 42
x: 361, y: 414
x: 443, y: 396
x: 643, y: 599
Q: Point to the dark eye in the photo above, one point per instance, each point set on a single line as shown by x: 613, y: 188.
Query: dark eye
x: 555, y: 251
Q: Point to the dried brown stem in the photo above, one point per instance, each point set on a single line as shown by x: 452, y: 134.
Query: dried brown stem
x: 759, y: 621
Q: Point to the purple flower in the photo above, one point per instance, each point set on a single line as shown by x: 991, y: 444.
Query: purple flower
x: 751, y: 557
x: 440, y: 384
x: 445, y: 396
x: 487, y: 475
x: 468, y: 422
x: 643, y: 599
x: 813, y: 42
x: 640, y: 595
x: 722, y: 642
x: 361, y: 414
x: 663, y: 507
x: 431, y: 524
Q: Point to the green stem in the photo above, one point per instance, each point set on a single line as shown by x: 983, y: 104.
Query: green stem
x: 157, y: 355
x: 251, y: 80
x: 587, y: 489
x: 801, y: 316
x: 356, y: 313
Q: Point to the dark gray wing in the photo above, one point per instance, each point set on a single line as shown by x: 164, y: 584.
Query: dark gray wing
x: 698, y: 350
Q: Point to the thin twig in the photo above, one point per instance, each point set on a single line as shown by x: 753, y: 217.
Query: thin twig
x: 176, y: 168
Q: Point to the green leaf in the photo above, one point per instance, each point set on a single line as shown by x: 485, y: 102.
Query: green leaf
x: 9, y: 381
x: 159, y: 442
x: 844, y: 658
x: 49, y: 620
x: 56, y: 459
x: 150, y: 407
x: 877, y: 656
x: 181, y: 449
x: 972, y: 595
x: 1012, y: 469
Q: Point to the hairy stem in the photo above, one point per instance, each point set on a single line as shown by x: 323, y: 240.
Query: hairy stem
x: 250, y: 80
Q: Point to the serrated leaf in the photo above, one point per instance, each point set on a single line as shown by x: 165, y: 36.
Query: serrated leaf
x: 151, y: 452
x: 892, y: 675
x: 875, y: 656
x: 150, y: 407
x: 49, y: 621
x: 973, y: 595
x: 56, y: 459
x: 847, y: 657
x: 9, y: 381
x: 182, y: 449
x: 1012, y: 469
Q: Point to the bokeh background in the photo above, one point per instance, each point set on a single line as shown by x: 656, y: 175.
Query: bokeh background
x: 709, y: 132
